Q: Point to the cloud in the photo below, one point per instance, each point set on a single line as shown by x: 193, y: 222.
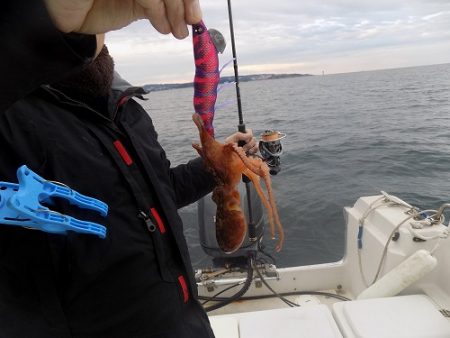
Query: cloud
x: 296, y: 36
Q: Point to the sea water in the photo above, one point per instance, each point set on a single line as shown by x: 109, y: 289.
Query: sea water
x: 348, y: 135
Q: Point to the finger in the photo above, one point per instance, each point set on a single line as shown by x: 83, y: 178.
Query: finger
x: 155, y: 11
x: 176, y: 16
x: 105, y: 16
x: 251, y: 146
x: 252, y: 151
x: 193, y: 12
x: 247, y: 137
x: 249, y: 143
x: 242, y: 137
x: 238, y: 136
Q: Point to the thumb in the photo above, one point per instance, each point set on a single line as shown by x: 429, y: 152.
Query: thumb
x: 68, y: 15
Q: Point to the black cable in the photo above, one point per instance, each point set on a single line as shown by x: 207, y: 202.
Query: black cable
x: 212, y: 298
x: 274, y: 293
x: 223, y: 301
x: 261, y: 249
x: 227, y: 300
x: 293, y: 293
x: 287, y: 301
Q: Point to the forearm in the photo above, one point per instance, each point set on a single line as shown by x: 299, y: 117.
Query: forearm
x: 191, y: 182
x: 34, y: 52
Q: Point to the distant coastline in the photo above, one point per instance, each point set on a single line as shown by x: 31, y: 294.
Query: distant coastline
x: 242, y: 78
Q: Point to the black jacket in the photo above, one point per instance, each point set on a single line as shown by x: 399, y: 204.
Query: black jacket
x: 134, y: 283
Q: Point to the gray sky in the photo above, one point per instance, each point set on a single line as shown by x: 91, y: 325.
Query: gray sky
x: 295, y: 36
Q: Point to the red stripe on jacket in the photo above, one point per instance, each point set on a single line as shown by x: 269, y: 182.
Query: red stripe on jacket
x: 123, y: 152
x: 158, y: 220
x: 184, y: 288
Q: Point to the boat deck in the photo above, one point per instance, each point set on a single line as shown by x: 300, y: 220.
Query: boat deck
x: 412, y: 316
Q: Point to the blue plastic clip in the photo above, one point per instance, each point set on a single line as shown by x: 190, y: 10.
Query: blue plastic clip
x: 360, y: 235
x: 20, y: 204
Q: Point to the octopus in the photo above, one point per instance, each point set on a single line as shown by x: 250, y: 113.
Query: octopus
x: 228, y: 163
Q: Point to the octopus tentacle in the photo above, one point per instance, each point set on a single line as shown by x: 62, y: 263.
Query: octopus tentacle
x: 255, y: 180
x: 257, y: 166
x: 271, y: 207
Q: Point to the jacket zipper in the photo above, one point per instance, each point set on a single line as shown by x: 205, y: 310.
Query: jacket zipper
x: 148, y: 221
x: 159, y: 250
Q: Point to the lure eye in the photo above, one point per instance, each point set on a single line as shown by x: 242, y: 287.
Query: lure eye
x: 199, y: 30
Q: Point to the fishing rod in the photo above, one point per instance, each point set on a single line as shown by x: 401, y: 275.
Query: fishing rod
x: 270, y: 145
x: 241, y: 125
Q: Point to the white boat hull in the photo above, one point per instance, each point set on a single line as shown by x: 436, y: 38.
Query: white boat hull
x: 377, y: 255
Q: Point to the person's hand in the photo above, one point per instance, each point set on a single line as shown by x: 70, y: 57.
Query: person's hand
x: 251, y: 144
x: 101, y: 16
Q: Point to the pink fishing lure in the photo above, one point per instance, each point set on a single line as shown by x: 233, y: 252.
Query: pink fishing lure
x: 207, y: 45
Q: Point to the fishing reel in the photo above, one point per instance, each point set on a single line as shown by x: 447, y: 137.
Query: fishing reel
x: 271, y: 149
